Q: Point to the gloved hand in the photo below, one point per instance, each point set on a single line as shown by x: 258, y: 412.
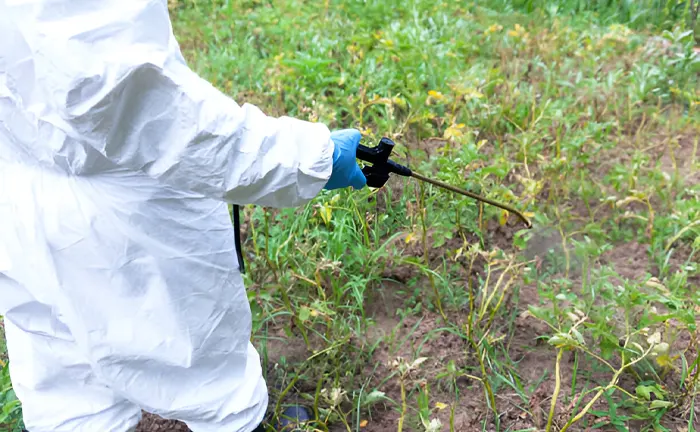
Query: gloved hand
x: 346, y: 171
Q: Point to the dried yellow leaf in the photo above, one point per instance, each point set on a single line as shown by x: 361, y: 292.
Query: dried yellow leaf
x: 504, y: 217
x: 326, y: 214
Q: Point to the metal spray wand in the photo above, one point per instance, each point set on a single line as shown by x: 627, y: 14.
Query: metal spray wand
x: 378, y: 173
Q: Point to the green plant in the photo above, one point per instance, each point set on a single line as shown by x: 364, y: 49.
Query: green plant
x: 10, y: 409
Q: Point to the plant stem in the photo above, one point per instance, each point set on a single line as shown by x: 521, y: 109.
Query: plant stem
x: 557, y: 388
x: 403, y: 405
x: 612, y: 383
x: 426, y: 256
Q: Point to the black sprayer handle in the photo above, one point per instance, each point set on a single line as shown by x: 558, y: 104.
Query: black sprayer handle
x: 378, y: 173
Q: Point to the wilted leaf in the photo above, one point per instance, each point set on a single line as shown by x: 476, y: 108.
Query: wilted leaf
x: 417, y: 362
x: 325, y: 213
x: 472, y: 94
x: 440, y: 405
x: 503, y: 219
x: 578, y: 336
x: 664, y: 360
x: 562, y: 340
x: 435, y: 425
x: 657, y: 404
x: 656, y: 284
x: 654, y: 339
x: 454, y: 131
x: 660, y: 349
x: 335, y: 396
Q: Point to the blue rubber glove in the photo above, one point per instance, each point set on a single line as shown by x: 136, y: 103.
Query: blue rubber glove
x: 346, y: 171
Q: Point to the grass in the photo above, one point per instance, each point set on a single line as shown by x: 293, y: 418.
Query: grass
x: 409, y: 308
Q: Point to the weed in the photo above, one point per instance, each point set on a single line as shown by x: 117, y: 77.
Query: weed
x: 10, y: 409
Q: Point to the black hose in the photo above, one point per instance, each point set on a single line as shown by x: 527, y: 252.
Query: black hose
x: 237, y: 236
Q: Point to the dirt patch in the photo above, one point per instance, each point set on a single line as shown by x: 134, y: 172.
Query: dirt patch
x: 153, y: 423
x: 390, y: 195
x: 679, y: 156
x: 411, y: 245
x: 681, y: 257
x: 629, y: 260
x: 431, y: 146
x: 276, y: 346
x: 428, y: 336
x: 420, y: 337
x: 501, y: 236
x: 415, y: 337
x: 382, y: 305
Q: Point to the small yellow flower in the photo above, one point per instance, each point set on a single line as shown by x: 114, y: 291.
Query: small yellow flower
x: 436, y: 95
x: 493, y: 29
x: 518, y: 32
x: 366, y: 131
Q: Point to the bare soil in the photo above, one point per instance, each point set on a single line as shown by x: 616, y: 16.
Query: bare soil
x: 153, y: 423
x: 680, y: 156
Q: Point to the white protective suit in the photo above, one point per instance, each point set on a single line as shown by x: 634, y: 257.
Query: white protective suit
x: 119, y: 280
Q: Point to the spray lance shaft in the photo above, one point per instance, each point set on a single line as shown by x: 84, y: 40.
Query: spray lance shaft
x: 378, y: 174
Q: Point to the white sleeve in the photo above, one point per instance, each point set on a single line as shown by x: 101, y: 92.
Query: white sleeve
x: 113, y: 74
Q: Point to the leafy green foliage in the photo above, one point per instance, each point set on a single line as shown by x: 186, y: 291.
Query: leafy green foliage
x: 10, y: 408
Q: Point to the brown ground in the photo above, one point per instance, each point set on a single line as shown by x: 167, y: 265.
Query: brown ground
x: 151, y: 423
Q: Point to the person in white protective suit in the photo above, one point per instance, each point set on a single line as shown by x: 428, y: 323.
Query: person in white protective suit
x: 119, y: 281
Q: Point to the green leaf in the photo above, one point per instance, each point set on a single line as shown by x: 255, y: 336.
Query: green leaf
x: 539, y: 312
x: 578, y: 336
x: 608, y: 346
x: 374, y: 397
x: 644, y: 391
x: 304, y: 314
